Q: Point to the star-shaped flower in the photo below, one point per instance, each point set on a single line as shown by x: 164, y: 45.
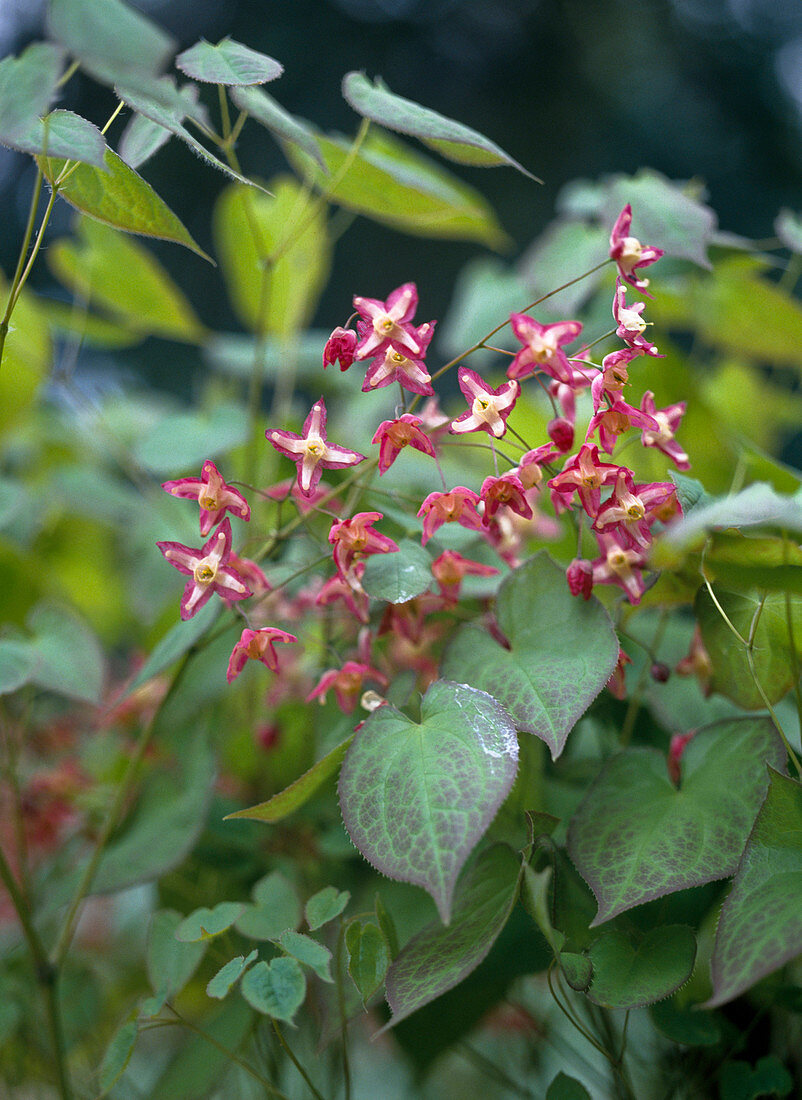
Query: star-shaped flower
x: 506, y: 491
x: 208, y: 570
x: 450, y: 568
x: 629, y: 253
x: 489, y: 408
x: 398, y: 365
x: 668, y: 420
x: 631, y: 325
x: 388, y: 323
x: 211, y: 492
x: 354, y: 539
x: 631, y: 508
x: 257, y: 645
x: 542, y: 347
x: 393, y: 435
x: 347, y: 684
x: 311, y: 451
x: 458, y: 506
x: 584, y: 474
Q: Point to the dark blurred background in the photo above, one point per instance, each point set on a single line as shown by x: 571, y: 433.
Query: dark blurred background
x: 702, y: 89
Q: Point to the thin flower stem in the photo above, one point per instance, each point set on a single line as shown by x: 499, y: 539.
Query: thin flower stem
x: 21, y: 272
x: 750, y: 660
x: 479, y: 446
x: 294, y: 1060
x: 791, y: 641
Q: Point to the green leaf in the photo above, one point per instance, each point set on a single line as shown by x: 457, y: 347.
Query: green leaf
x: 451, y: 139
x: 577, y: 970
x: 14, y: 498
x: 143, y: 137
x: 228, y: 62
x: 183, y: 441
x: 417, y: 797
x: 627, y: 975
x: 289, y: 800
x: 545, y: 680
x: 170, y: 963
x: 27, y: 359
x: 690, y: 492
x: 18, y: 664
x: 760, y: 927
x: 64, y: 134
x: 393, y: 185
x: 368, y: 957
x: 325, y: 905
x: 109, y: 37
x: 276, y: 989
x: 174, y: 644
x: 555, y: 258
x: 220, y: 985
x: 739, y: 562
x: 276, y: 908
x: 739, y: 1081
x: 118, y: 196
x: 685, y: 1025
x: 284, y: 126
x: 70, y: 660
x: 398, y: 576
x: 307, y: 951
x: 147, y: 300
x: 279, y: 295
x: 563, y: 1087
x: 759, y: 505
x: 236, y: 354
x: 535, y: 899
x: 28, y: 84
x: 205, y: 924
x: 117, y: 1056
x: 635, y: 837
x: 438, y: 957
x: 772, y: 655
x: 201, y: 1062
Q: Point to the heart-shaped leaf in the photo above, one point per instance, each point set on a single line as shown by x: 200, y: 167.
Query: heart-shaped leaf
x: 170, y: 963
x: 308, y: 951
x: 635, y: 837
x: 630, y: 976
x: 416, y: 797
x: 284, y: 126
x: 57, y: 636
x: 399, y: 576
x: 438, y: 958
x: 277, y: 989
x: 564, y: 1087
x: 205, y: 923
x: 276, y: 908
x: 324, y: 906
x: 760, y: 927
x: 545, y: 680
x: 368, y: 957
x: 221, y: 983
x: 229, y: 63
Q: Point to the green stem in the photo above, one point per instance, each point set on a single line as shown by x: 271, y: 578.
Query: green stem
x: 23, y: 252
x: 294, y: 1060
x: 338, y: 962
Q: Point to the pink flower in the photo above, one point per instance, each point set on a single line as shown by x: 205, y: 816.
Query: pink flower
x: 340, y: 348
x: 629, y: 253
x: 350, y: 591
x: 668, y: 420
x: 457, y: 506
x: 250, y: 572
x: 506, y: 491
x: 311, y: 451
x: 619, y: 565
x: 386, y: 324
x: 561, y: 433
x: 257, y: 645
x: 289, y: 487
x: 208, y: 569
x: 612, y: 378
x: 489, y: 408
x: 631, y: 325
x: 211, y: 492
x: 583, y: 473
x: 450, y: 568
x: 542, y: 348
x: 355, y: 538
x: 347, y: 684
x: 631, y: 508
x: 393, y: 435
x: 675, y: 750
x: 617, y: 418
x: 529, y: 468
x: 395, y: 365
x: 697, y: 663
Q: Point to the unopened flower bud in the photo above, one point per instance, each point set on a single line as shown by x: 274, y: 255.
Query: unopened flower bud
x: 340, y: 347
x: 579, y: 575
x: 660, y: 672
x: 561, y: 433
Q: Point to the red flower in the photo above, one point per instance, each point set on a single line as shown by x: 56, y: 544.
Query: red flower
x: 211, y: 492
x: 631, y: 325
x: 629, y: 253
x: 506, y: 491
x: 450, y: 568
x: 257, y: 645
x: 583, y: 473
x: 458, y: 506
x: 393, y: 435
x: 355, y: 538
x: 396, y: 365
x: 668, y: 420
x: 489, y: 408
x: 208, y: 569
x: 542, y: 348
x: 340, y: 348
x: 347, y: 684
x: 387, y: 324
x: 311, y: 451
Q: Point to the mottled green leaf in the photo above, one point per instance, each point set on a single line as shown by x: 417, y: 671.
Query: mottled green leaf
x: 545, y: 680
x: 629, y: 974
x: 183, y: 441
x: 307, y: 951
x: 760, y: 927
x: 272, y: 295
x: 117, y: 1056
x: 27, y: 87
x: 393, y: 185
x: 417, y: 796
x: 325, y: 905
x: 206, y: 923
x: 109, y: 37
x: 228, y: 62
x: 118, y: 196
x: 636, y: 837
x: 368, y: 957
x: 70, y: 660
x: 298, y: 793
x: 220, y: 985
x: 439, y: 957
x: 452, y: 139
x: 170, y: 964
x: 400, y: 575
x: 276, y: 908
x: 276, y: 989
x: 284, y: 126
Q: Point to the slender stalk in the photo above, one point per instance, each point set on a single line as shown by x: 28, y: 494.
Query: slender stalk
x: 637, y: 695
x: 295, y: 1061
x: 23, y: 252
x: 230, y: 1054
x: 338, y: 962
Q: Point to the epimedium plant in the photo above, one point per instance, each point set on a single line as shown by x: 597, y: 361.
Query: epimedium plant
x: 515, y: 658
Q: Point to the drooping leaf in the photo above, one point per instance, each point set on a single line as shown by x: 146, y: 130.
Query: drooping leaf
x: 368, y: 957
x: 393, y: 185
x: 147, y: 300
x: 18, y: 664
x: 632, y: 975
x: 308, y: 952
x: 398, y: 576
x: 272, y: 295
x: 205, y: 923
x: 760, y: 927
x: 439, y: 957
x: 117, y: 1056
x: 183, y: 441
x: 685, y: 1025
x: 143, y: 137
x: 299, y: 792
x: 417, y: 796
x: 276, y: 909
x: 27, y: 87
x: 768, y: 1077
x: 737, y: 562
x: 70, y: 660
x: 276, y: 989
x: 220, y: 985
x: 284, y: 126
x: 636, y: 837
x: 228, y: 62
x: 774, y: 667
x: 170, y: 963
x: 324, y: 906
x: 545, y: 680
x: 109, y: 37
x: 119, y: 197
x: 452, y: 139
